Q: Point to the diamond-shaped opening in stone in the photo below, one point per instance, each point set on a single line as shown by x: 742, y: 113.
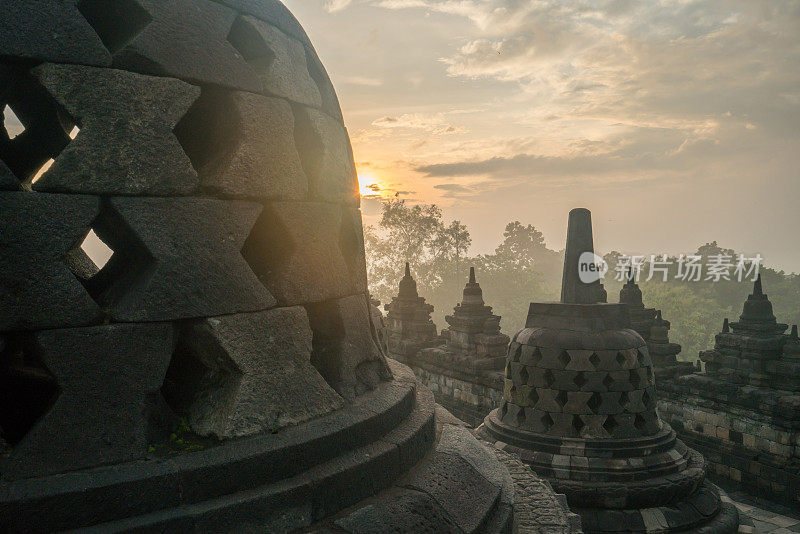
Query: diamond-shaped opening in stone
x: 521, y: 417
x: 523, y: 375
x: 117, y: 22
x: 27, y: 391
x: 89, y: 257
x: 110, y: 259
x: 209, y: 131
x: 40, y: 127
x: 621, y: 359
x: 640, y: 423
x: 594, y: 402
x: 636, y: 380
x: 43, y: 169
x: 562, y: 398
x: 269, y: 246
x: 594, y: 359
x: 577, y: 424
x: 646, y: 399
x: 624, y: 399
x: 548, y: 378
x: 533, y: 397
x: 564, y: 359
x: 579, y: 380
x: 246, y: 39
x: 610, y: 425
x: 11, y: 123
x: 608, y: 381
x: 547, y: 422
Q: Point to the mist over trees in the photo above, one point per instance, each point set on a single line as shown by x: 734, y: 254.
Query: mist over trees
x: 522, y: 270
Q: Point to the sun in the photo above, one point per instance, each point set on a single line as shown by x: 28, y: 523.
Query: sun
x: 368, y: 185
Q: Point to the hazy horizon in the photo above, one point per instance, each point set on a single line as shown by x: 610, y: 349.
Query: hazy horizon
x: 674, y: 121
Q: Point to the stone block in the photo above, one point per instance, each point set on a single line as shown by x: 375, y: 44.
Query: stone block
x: 277, y: 59
x: 242, y: 145
x: 126, y: 144
x: 308, y: 252
x: 458, y: 488
x: 177, y: 258
x: 327, y: 157
x: 346, y: 352
x: 105, y: 376
x: 407, y: 511
x: 54, y: 31
x: 37, y: 288
x: 187, y: 39
x: 257, y: 374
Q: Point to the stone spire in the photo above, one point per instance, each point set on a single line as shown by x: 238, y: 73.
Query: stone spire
x: 410, y: 327
x: 408, y: 286
x: 579, y: 242
x: 473, y: 327
x: 630, y: 293
x: 757, y: 313
x: 746, y: 351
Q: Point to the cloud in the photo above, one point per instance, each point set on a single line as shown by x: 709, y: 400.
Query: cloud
x: 455, y: 188
x: 434, y: 123
x: 362, y: 80
x: 332, y: 6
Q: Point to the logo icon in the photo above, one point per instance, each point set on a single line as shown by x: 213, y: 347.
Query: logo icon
x: 591, y: 268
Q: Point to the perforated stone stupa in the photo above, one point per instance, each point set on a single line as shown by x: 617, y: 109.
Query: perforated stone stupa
x: 580, y: 409
x: 220, y: 372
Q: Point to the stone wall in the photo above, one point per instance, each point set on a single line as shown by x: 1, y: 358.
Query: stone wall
x: 742, y: 445
x: 467, y: 391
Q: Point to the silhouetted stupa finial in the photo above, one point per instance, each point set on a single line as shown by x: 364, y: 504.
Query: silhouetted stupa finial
x: 579, y: 242
x: 472, y: 275
x: 757, y: 289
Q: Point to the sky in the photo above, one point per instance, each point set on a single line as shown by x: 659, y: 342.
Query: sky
x: 677, y: 122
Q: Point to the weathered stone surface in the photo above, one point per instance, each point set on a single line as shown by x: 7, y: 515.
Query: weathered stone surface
x: 277, y: 59
x: 345, y: 346
x: 308, y: 252
x: 457, y: 488
x: 37, y: 289
x: 125, y: 145
x: 407, y: 511
x: 243, y: 146
x: 258, y: 374
x: 105, y: 375
x: 272, y: 11
x: 188, y: 39
x: 8, y: 182
x: 327, y: 157
x: 178, y: 258
x: 54, y: 31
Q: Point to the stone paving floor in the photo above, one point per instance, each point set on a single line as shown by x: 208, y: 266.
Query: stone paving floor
x: 763, y: 516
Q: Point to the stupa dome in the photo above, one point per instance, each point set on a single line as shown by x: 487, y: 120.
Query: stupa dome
x: 217, y: 369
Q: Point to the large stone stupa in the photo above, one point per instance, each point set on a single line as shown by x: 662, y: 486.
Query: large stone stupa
x: 580, y: 409
x: 220, y: 372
